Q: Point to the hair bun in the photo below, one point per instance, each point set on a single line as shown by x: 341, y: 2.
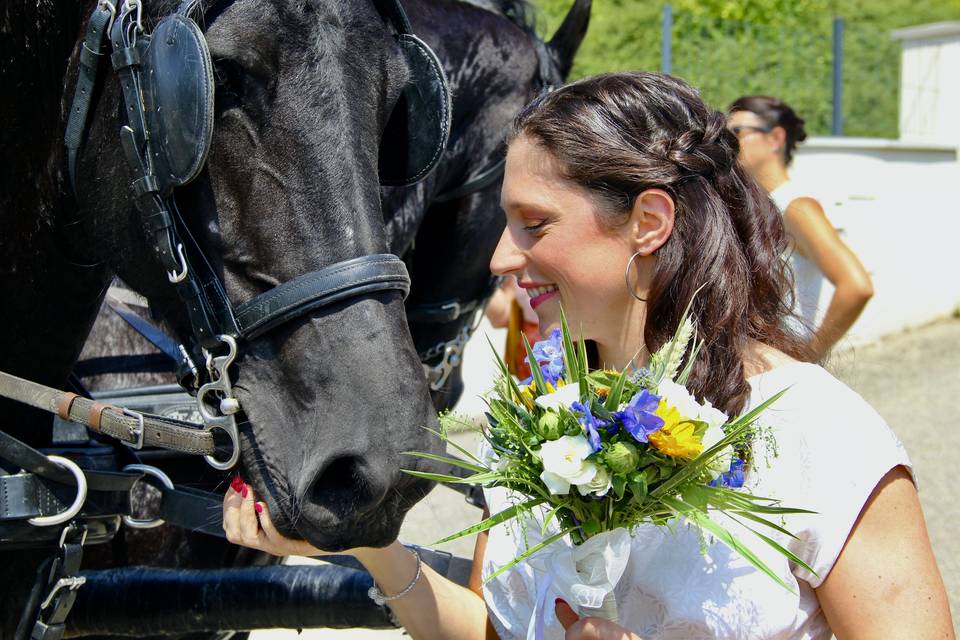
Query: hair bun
x: 799, y: 133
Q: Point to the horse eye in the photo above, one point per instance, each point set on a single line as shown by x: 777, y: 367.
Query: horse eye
x: 237, y: 87
x: 229, y: 79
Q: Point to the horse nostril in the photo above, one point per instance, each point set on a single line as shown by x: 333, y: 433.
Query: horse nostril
x: 345, y: 485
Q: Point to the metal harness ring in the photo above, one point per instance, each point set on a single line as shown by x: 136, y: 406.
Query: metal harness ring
x: 73, y: 509
x: 138, y: 523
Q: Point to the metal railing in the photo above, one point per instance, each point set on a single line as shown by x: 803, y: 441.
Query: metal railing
x: 841, y: 77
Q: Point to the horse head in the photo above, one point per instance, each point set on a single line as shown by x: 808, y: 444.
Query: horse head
x: 331, y: 398
x: 495, y: 67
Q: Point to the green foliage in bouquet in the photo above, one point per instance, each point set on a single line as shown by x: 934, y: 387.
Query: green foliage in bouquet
x: 599, y: 450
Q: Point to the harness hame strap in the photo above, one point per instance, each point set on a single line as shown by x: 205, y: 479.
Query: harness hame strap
x: 134, y: 429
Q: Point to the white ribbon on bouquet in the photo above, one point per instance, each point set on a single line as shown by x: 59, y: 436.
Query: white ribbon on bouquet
x: 584, y: 575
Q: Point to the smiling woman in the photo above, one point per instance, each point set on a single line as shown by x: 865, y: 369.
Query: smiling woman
x: 633, y: 172
x: 646, y: 197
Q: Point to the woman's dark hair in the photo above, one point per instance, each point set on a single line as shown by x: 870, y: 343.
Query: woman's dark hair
x: 619, y: 134
x: 775, y: 113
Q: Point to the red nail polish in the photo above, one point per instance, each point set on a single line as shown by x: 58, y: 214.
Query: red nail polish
x: 245, y: 491
x: 237, y: 483
x: 258, y: 507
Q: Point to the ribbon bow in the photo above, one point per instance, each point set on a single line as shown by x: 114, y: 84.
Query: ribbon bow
x: 583, y: 575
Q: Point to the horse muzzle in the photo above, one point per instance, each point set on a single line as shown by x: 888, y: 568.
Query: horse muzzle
x: 354, y: 500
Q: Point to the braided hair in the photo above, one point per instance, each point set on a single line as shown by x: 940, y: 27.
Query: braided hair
x: 619, y: 134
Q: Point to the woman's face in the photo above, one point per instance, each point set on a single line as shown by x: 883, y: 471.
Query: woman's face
x: 559, y: 250
x: 759, y: 143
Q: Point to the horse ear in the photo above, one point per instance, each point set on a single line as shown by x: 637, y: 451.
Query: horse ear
x: 565, y: 42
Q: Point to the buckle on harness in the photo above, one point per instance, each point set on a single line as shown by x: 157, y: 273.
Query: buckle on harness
x: 136, y: 431
x: 71, y: 583
x: 59, y: 576
x: 454, y: 306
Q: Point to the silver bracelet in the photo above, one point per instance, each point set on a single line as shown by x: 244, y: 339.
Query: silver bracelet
x: 377, y: 596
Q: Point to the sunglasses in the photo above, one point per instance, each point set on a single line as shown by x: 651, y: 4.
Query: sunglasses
x: 746, y: 127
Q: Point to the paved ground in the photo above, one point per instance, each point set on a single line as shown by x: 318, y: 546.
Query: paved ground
x: 912, y: 379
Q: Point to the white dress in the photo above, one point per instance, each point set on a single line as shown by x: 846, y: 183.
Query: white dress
x: 812, y: 290
x: 833, y: 450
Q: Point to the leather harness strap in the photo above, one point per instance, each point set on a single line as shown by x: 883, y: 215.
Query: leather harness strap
x: 96, y: 415
x: 303, y: 294
x: 134, y: 429
x: 66, y: 401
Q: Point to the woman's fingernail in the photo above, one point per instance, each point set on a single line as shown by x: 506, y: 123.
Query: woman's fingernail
x: 558, y: 601
x: 258, y: 507
x: 245, y: 491
x: 237, y: 483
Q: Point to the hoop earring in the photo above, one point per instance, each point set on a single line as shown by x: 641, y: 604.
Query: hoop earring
x: 626, y: 277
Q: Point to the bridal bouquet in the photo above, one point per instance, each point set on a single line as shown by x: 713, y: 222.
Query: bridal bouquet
x: 600, y: 453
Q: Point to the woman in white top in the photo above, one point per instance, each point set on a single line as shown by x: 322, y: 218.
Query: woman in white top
x: 768, y: 131
x: 632, y: 174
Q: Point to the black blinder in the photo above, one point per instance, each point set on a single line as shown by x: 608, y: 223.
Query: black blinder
x: 178, y: 91
x: 419, y: 126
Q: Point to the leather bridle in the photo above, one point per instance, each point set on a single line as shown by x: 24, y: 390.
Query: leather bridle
x: 219, y: 328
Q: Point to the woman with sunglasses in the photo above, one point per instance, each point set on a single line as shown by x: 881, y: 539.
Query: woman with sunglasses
x: 768, y: 131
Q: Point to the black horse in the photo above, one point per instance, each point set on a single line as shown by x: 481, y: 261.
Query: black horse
x: 304, y: 92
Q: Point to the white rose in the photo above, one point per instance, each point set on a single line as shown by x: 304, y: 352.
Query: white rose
x: 562, y: 398
x: 711, y: 415
x: 565, y: 463
x: 600, y: 484
x: 678, y: 396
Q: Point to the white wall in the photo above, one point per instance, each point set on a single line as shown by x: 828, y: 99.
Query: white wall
x: 898, y: 205
x: 929, y: 91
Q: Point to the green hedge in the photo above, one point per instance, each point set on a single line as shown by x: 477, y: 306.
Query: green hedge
x: 728, y: 48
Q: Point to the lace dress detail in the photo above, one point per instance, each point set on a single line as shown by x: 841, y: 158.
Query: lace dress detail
x: 833, y: 450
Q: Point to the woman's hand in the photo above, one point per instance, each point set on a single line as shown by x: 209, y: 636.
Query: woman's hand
x: 247, y: 522
x: 463, y: 614
x: 589, y: 628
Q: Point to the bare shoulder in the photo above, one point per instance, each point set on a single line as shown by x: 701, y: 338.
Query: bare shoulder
x: 886, y: 582
x: 805, y: 205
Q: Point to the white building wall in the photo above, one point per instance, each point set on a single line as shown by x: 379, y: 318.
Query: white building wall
x: 929, y: 90
x: 898, y: 206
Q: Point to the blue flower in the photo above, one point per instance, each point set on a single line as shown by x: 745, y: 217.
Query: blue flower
x: 638, y: 416
x: 590, y: 424
x: 549, y: 355
x: 732, y: 478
